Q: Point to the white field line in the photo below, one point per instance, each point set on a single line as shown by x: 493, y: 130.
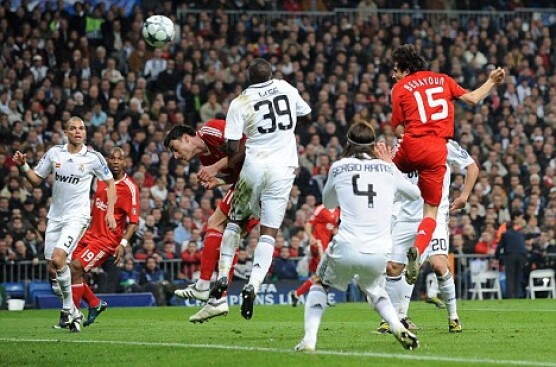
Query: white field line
x: 401, y: 356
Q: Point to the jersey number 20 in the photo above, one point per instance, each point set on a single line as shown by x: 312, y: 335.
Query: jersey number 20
x: 432, y: 103
x: 274, y: 109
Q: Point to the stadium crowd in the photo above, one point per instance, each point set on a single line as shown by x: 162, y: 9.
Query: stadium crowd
x: 93, y: 63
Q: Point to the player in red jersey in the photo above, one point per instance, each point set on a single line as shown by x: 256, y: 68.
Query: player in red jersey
x: 320, y: 228
x: 99, y: 243
x: 209, y: 145
x: 423, y: 113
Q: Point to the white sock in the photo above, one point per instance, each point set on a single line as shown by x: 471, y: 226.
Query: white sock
x: 262, y: 259
x: 64, y: 280
x: 230, y: 242
x: 448, y: 291
x: 385, y: 309
x: 432, y: 289
x: 406, y: 290
x: 392, y: 288
x: 202, y: 285
x: 56, y: 288
x: 315, y: 304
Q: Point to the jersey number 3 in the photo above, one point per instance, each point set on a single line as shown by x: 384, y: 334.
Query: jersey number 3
x: 431, y: 103
x: 275, y: 109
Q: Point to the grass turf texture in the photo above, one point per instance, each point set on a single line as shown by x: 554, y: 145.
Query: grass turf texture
x: 509, y: 333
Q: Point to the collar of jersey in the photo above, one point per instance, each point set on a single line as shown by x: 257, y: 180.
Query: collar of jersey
x: 83, y: 150
x: 261, y: 85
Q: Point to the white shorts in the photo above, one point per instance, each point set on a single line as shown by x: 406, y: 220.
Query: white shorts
x: 340, y: 263
x: 439, y: 243
x: 403, y: 237
x: 262, y: 192
x: 64, y: 235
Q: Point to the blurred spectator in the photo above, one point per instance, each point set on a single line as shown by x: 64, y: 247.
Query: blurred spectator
x: 512, y: 252
x: 191, y: 260
x: 155, y: 280
x: 283, y: 267
x: 244, y: 265
x: 129, y: 277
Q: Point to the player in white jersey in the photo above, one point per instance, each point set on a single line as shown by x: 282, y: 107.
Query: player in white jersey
x: 73, y: 166
x: 267, y: 113
x: 404, y: 231
x: 363, y: 186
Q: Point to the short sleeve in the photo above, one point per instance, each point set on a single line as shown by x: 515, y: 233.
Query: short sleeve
x: 302, y: 107
x: 132, y: 208
x: 455, y: 89
x: 100, y: 168
x: 235, y: 122
x: 458, y: 156
x: 44, y: 167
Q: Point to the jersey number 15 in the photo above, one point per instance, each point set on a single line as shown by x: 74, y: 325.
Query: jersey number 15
x: 432, y: 102
x: 275, y: 109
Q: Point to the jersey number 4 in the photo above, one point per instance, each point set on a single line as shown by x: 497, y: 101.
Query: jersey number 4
x: 275, y: 111
x: 370, y: 194
x: 432, y: 102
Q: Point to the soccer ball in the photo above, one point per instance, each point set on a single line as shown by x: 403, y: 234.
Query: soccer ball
x: 158, y: 30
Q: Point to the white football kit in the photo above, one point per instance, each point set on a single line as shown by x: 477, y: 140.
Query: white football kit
x: 407, y: 219
x: 70, y: 208
x: 364, y: 190
x: 267, y: 114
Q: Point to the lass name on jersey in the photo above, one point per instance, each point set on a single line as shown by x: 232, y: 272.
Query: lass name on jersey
x: 424, y: 82
x: 357, y: 167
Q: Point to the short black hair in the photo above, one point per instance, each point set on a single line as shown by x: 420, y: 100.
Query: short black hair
x: 407, y: 59
x: 259, y: 71
x: 177, y: 132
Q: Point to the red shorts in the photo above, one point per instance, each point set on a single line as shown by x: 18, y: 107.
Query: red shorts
x: 428, y: 157
x: 91, y: 254
x: 225, y: 206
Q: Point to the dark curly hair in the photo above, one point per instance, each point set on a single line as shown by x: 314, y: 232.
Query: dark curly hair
x: 407, y: 58
x: 259, y: 71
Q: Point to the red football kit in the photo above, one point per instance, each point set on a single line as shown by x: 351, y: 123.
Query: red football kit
x: 99, y: 242
x: 212, y: 134
x: 423, y: 103
x: 324, y: 221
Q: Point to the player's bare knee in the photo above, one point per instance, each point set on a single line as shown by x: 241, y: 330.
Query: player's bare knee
x: 439, y: 267
x: 394, y: 269
x: 217, y: 220
x: 76, y: 271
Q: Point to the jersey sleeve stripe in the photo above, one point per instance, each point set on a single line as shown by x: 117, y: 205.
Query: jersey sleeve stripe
x: 100, y: 157
x: 133, y: 191
x: 211, y: 131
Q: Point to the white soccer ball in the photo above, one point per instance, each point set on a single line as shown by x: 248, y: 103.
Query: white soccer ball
x: 158, y: 30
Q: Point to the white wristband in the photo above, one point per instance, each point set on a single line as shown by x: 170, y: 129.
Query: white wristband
x: 25, y: 167
x: 123, y: 242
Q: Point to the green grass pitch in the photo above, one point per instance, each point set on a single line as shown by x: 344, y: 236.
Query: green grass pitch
x: 508, y: 333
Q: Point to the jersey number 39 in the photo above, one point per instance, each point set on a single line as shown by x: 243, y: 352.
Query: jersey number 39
x: 275, y: 111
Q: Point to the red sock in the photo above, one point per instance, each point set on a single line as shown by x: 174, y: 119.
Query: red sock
x: 89, y: 296
x: 77, y: 294
x: 210, y: 254
x: 424, y: 234
x: 304, y: 288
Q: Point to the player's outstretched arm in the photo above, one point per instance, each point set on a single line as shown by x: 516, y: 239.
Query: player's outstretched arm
x: 20, y: 160
x: 470, y: 179
x: 476, y: 96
